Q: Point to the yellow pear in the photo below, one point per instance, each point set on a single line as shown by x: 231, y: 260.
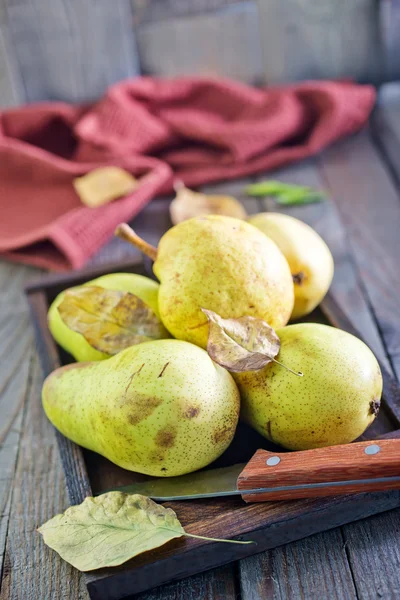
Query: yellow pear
x: 161, y: 408
x: 221, y: 264
x: 309, y: 258
x: 333, y: 403
x: 74, y: 343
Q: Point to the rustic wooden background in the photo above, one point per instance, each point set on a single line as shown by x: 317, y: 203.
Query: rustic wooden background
x: 72, y: 50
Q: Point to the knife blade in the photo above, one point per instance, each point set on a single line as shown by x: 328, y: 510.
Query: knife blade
x: 334, y: 470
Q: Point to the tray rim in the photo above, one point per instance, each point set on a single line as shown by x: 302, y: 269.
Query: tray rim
x: 111, y: 584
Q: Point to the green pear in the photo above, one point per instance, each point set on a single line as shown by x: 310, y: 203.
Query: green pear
x: 309, y: 258
x: 333, y: 403
x: 161, y: 408
x: 74, y: 343
x: 221, y: 264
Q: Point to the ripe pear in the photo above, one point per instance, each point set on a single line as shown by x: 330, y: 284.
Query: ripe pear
x: 333, y: 403
x: 74, y: 343
x: 221, y: 264
x: 309, y: 258
x: 160, y: 408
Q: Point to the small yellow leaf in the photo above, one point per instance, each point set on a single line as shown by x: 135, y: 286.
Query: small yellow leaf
x: 110, y: 320
x: 108, y: 530
x: 242, y: 344
x: 102, y: 185
x: 188, y: 204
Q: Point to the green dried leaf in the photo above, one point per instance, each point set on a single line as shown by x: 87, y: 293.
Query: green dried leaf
x: 243, y: 344
x: 110, y: 320
x: 110, y: 529
x: 285, y: 193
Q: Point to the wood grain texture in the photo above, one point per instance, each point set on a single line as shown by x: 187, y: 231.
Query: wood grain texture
x: 359, y: 181
x: 38, y: 494
x: 71, y: 50
x: 341, y: 463
x: 224, y: 43
x: 16, y: 347
x: 313, y: 568
x: 302, y: 39
x: 217, y: 584
x: 374, y: 554
x: 27, y: 463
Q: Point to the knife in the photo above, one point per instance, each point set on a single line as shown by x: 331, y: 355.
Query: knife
x: 269, y: 476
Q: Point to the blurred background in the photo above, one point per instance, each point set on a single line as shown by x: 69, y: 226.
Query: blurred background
x: 72, y: 50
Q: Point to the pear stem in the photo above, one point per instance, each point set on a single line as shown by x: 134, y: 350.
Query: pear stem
x: 127, y: 234
x: 297, y: 373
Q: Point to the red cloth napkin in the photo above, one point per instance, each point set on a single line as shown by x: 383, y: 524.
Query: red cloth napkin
x: 196, y: 129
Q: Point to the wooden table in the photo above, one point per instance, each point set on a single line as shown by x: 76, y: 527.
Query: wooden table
x: 357, y: 561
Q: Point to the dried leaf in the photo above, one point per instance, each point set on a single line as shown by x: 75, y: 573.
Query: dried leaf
x: 285, y: 193
x: 102, y: 185
x: 110, y: 320
x: 110, y: 529
x: 243, y: 344
x: 188, y: 204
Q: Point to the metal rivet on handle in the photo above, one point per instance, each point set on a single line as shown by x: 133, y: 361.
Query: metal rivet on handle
x: 372, y: 449
x: 273, y: 460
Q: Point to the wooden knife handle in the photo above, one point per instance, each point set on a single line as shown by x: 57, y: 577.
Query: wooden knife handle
x: 349, y: 462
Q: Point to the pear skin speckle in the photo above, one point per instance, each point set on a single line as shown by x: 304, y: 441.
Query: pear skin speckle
x: 333, y: 403
x: 224, y: 265
x: 162, y: 426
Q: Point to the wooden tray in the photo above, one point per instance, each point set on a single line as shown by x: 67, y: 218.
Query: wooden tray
x: 269, y: 524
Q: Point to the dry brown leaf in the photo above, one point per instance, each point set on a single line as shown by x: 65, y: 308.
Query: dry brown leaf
x: 103, y: 185
x: 243, y: 344
x: 188, y: 204
x: 110, y: 320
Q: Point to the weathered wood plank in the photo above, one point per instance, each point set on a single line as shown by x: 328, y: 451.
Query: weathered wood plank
x: 390, y: 19
x: 145, y: 11
x: 374, y: 553
x: 31, y: 571
x: 316, y: 567
x: 10, y: 93
x: 29, y: 465
x: 16, y: 347
x: 224, y: 43
x: 370, y: 209
x: 72, y: 50
x: 302, y: 39
x: 218, y: 584
x: 385, y: 126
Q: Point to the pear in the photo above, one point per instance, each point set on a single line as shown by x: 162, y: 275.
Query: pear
x: 160, y: 408
x: 337, y: 398
x: 221, y: 264
x: 74, y: 343
x: 309, y: 258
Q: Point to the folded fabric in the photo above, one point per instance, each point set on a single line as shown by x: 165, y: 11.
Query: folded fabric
x: 197, y: 130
